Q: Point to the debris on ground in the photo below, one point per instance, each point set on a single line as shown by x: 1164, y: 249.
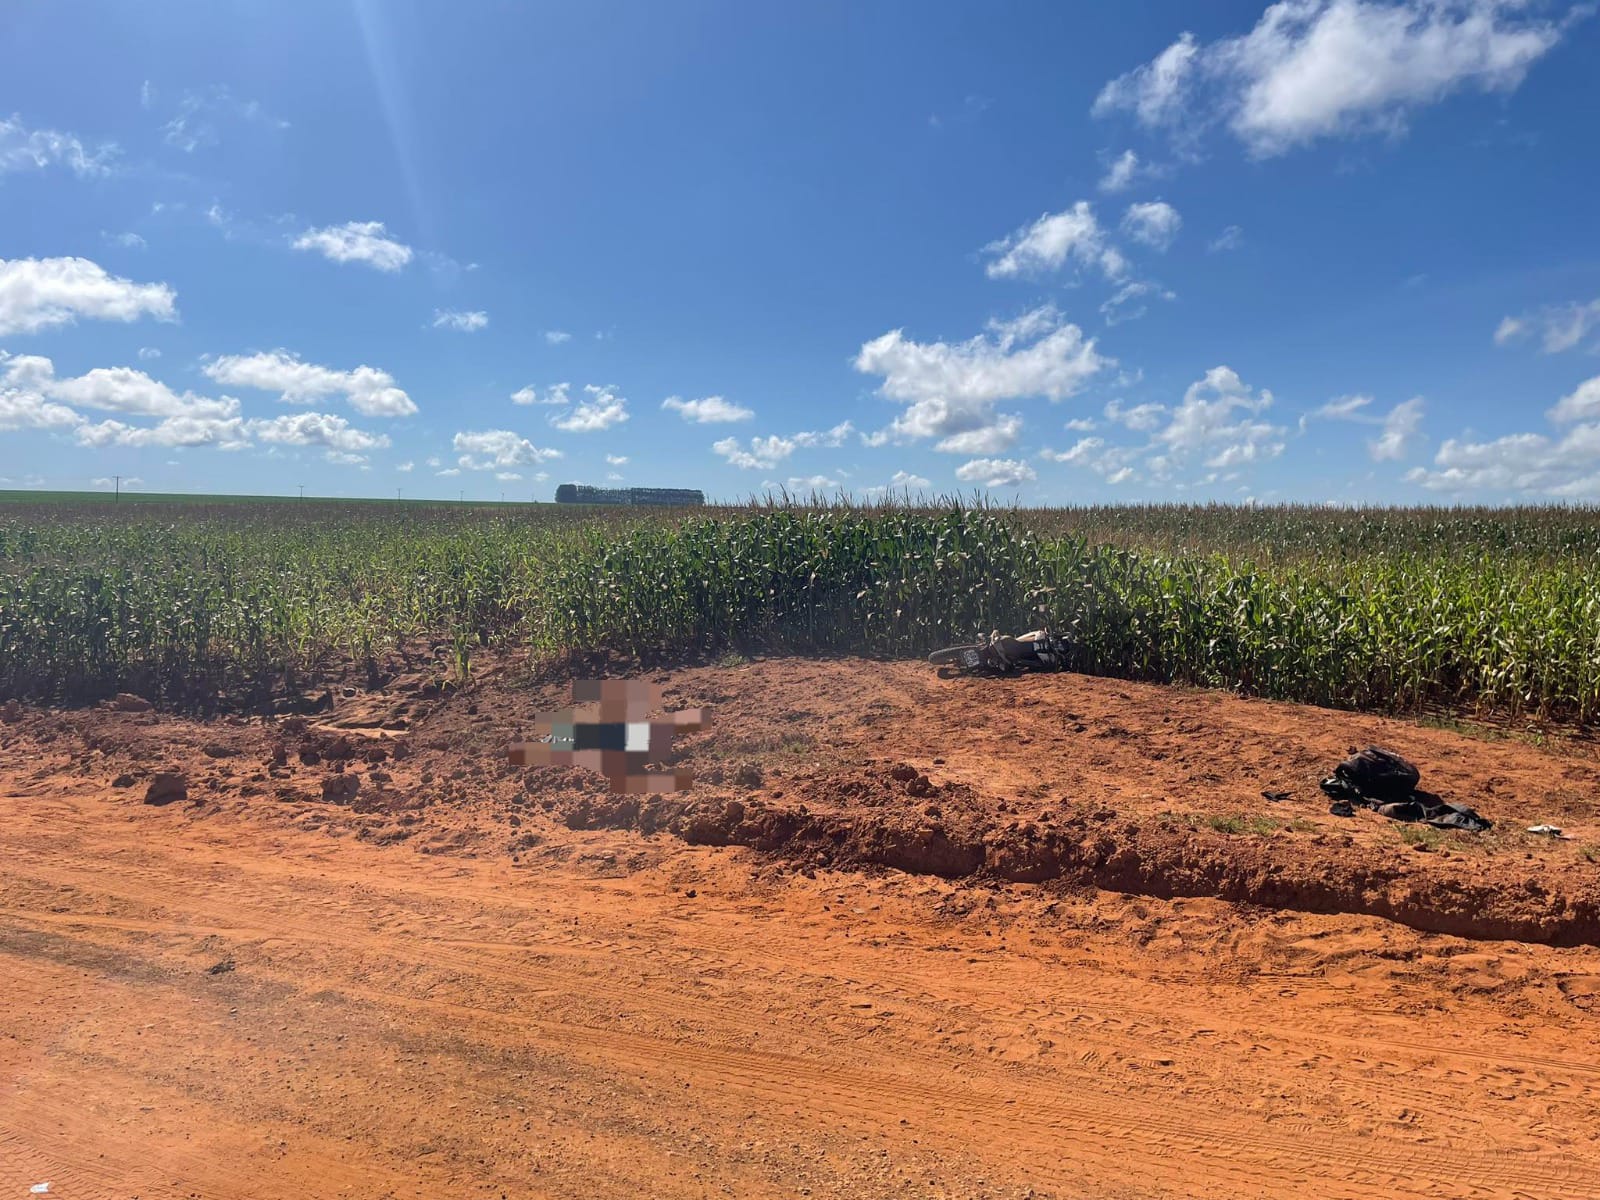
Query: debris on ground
x: 1387, y: 784
x: 167, y: 787
x: 340, y: 789
x: 1549, y: 831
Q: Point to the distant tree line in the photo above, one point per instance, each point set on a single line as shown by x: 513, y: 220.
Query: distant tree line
x: 582, y: 493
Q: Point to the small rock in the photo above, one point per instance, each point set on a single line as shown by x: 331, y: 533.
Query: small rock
x: 165, y: 788
x: 310, y: 756
x: 340, y: 789
x: 129, y: 703
x: 10, y: 712
x: 218, y: 750
x: 749, y: 775
x: 221, y: 968
x: 122, y: 781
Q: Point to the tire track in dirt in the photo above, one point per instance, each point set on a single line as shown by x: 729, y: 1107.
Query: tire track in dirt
x: 489, y: 955
x: 448, y: 952
x: 538, y: 977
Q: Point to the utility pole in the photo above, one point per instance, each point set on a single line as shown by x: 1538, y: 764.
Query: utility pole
x: 302, y: 491
x: 397, y: 495
x: 462, y: 497
x: 117, y: 496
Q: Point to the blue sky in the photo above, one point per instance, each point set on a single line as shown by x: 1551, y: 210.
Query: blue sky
x: 1327, y: 250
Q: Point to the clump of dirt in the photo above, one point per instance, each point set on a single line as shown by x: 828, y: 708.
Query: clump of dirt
x: 168, y: 787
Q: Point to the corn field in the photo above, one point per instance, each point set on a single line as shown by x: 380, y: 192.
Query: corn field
x: 1477, y: 612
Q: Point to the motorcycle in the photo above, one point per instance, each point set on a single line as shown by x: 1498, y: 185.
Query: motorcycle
x: 1039, y: 650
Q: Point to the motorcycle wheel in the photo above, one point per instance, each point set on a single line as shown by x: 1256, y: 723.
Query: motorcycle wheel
x: 969, y: 657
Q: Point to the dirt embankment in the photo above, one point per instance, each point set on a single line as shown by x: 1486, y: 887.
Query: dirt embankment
x: 847, y: 764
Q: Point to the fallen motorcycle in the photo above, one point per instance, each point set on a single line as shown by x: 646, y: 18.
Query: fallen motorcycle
x: 1038, y: 650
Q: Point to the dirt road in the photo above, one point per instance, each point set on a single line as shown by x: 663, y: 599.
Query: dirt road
x: 232, y: 1008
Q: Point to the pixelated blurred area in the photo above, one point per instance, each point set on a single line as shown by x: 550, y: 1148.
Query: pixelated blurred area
x: 608, y: 730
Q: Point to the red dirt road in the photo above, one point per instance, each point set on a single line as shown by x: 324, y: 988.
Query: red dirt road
x: 263, y: 997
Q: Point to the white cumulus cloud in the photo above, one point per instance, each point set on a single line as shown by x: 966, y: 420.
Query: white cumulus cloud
x: 1401, y: 431
x: 811, y: 483
x: 555, y: 396
x: 1220, y: 422
x: 342, y: 442
x: 1124, y: 170
x: 601, y: 409
x: 132, y: 392
x: 712, y: 410
x: 1113, y: 463
x: 1054, y: 240
x: 22, y: 404
x: 45, y: 293
x: 369, y: 391
x: 1219, y: 418
x: 763, y: 453
x: 1527, y: 465
x: 193, y: 432
x: 1155, y: 223
x: 1327, y: 68
x: 357, y: 241
x: 498, y: 450
x: 950, y: 389
x: 31, y: 396
x: 1582, y: 405
x: 557, y: 336
x: 1154, y: 91
x: 995, y: 472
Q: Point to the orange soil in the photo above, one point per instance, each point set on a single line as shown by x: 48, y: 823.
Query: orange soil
x: 471, y: 981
